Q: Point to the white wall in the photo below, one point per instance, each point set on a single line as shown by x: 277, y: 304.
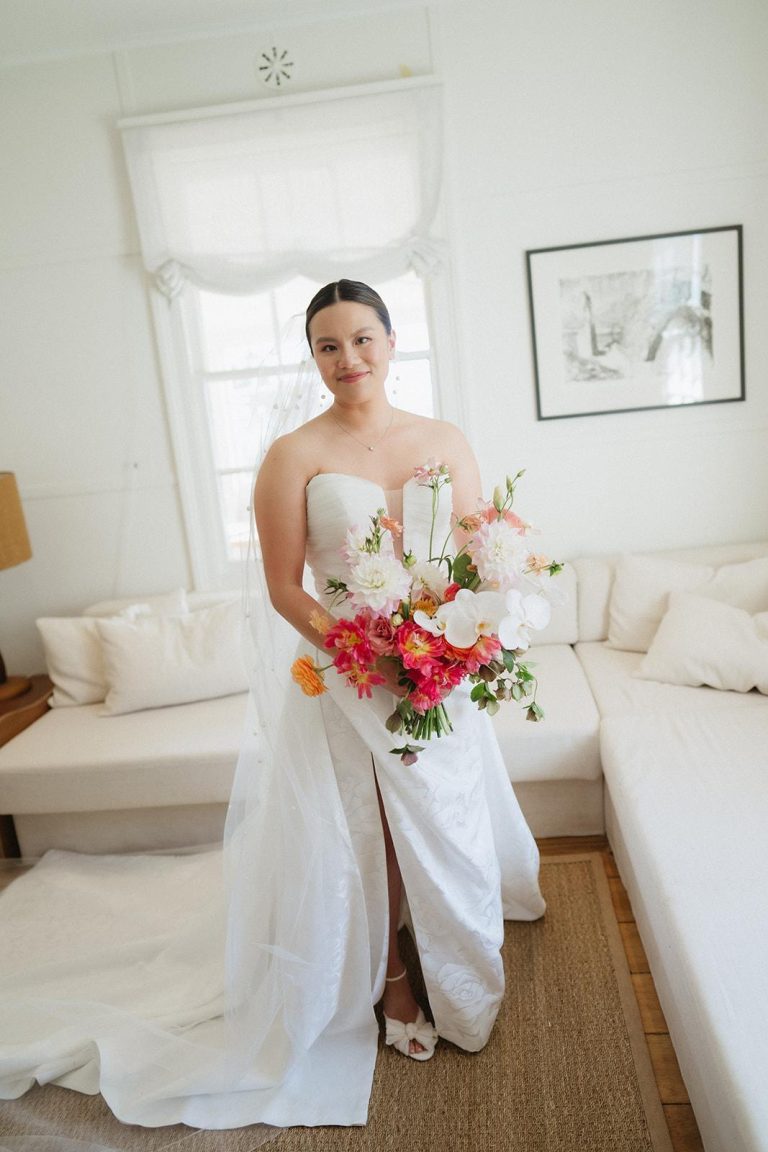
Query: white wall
x: 565, y: 122
x: 588, y: 121
x: 82, y: 417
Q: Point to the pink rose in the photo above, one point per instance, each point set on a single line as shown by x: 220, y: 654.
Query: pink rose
x: 381, y: 635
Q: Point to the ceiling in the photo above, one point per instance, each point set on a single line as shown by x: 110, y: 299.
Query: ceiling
x: 35, y: 29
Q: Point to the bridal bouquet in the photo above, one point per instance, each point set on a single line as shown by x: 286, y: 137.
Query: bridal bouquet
x: 441, y: 619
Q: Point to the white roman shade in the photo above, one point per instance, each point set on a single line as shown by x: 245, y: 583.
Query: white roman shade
x: 242, y: 198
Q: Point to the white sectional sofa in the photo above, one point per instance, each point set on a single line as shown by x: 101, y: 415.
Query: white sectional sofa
x: 160, y: 777
x: 677, y: 775
x: 685, y: 772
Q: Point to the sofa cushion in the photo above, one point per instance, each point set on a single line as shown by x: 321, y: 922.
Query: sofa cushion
x: 74, y: 760
x: 563, y: 626
x: 157, y: 661
x: 618, y: 692
x: 595, y: 580
x: 73, y: 659
x: 565, y: 744
x: 703, y: 641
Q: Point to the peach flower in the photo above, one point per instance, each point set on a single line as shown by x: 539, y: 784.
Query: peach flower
x: 389, y: 524
x: 320, y: 621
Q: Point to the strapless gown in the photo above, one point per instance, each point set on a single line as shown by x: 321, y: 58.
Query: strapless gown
x: 115, y: 977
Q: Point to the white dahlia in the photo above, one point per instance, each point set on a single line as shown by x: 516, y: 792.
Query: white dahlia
x: 499, y: 553
x: 378, y: 582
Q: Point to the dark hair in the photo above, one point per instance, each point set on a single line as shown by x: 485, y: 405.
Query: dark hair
x: 353, y: 290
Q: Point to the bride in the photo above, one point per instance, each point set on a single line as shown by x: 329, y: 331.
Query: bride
x: 332, y: 843
x: 332, y: 472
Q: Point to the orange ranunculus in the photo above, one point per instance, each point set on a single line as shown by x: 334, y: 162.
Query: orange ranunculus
x: 308, y: 676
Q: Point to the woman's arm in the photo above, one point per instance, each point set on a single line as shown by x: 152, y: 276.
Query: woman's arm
x: 279, y: 503
x: 466, y: 485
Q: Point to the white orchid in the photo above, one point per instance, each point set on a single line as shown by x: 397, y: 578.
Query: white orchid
x: 378, y: 582
x: 522, y: 613
x: 463, y: 620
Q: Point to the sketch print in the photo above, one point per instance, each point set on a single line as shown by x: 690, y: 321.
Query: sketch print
x: 636, y: 325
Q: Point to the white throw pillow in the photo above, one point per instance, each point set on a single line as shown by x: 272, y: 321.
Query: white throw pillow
x: 72, y: 645
x: 742, y: 585
x: 643, y: 584
x: 703, y: 641
x: 73, y: 658
x: 640, y: 594
x: 167, y: 604
x: 156, y: 661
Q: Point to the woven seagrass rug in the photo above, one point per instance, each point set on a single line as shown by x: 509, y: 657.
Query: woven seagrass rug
x: 566, y: 1069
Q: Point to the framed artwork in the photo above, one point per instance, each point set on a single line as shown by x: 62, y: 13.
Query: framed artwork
x: 647, y: 322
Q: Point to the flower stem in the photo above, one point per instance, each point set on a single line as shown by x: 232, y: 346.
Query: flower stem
x: 435, y: 495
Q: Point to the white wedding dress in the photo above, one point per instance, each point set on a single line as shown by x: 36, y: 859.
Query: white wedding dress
x: 222, y: 996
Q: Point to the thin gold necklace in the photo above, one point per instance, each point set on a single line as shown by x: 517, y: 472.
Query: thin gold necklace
x: 362, y: 443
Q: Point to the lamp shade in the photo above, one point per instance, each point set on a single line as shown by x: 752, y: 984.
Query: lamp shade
x: 14, y: 541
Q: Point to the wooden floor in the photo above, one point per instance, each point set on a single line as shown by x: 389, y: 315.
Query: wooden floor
x: 683, y: 1130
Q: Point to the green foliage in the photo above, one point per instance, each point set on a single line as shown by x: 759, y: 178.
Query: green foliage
x: 463, y: 571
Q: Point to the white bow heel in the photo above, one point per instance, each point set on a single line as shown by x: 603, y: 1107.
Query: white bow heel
x: 400, y: 1035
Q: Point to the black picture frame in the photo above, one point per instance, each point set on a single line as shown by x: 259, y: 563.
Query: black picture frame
x: 638, y: 323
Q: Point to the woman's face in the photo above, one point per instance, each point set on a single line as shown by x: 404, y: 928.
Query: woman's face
x: 352, y: 349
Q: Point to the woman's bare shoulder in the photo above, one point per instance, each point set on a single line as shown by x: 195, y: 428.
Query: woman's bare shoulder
x: 295, y: 452
x: 431, y: 426
x: 440, y: 437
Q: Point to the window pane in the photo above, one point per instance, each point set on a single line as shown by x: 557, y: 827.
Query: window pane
x: 235, y: 331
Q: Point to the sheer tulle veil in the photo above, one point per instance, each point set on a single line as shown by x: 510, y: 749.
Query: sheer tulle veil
x: 267, y: 908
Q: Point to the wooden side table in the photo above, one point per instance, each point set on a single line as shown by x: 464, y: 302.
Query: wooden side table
x: 16, y: 715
